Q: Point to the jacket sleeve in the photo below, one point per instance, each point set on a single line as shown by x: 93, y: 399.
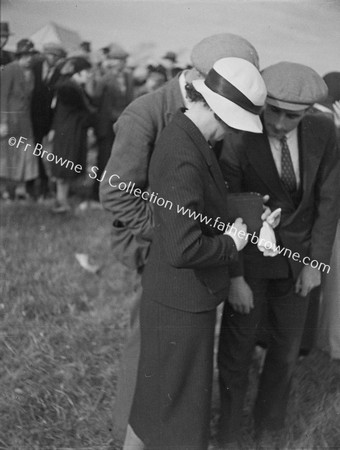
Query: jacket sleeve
x: 327, y: 198
x: 177, y: 177
x: 135, y: 135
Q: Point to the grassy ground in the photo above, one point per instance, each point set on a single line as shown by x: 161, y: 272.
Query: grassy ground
x: 62, y: 331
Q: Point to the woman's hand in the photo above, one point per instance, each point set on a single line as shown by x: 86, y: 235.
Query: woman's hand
x: 274, y: 218
x: 238, y: 232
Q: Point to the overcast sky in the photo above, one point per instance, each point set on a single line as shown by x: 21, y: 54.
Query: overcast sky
x: 305, y: 31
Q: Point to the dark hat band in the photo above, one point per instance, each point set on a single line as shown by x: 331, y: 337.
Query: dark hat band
x: 221, y: 86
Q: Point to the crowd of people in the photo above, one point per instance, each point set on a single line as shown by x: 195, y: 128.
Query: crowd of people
x: 197, y: 136
x: 53, y: 99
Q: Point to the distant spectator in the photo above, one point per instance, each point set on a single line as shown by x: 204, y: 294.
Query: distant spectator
x: 156, y: 77
x: 113, y: 92
x: 17, y: 84
x: 5, y: 57
x: 169, y: 61
x: 46, y: 74
x: 85, y: 48
x: 73, y: 117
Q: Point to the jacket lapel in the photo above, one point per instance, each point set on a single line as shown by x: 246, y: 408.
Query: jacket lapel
x: 261, y: 158
x: 309, y: 145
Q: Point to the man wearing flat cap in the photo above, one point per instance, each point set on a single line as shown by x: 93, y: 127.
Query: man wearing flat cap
x: 46, y: 74
x: 296, y: 163
x: 137, y: 131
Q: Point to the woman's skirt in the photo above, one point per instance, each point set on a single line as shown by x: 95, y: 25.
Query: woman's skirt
x: 172, y: 402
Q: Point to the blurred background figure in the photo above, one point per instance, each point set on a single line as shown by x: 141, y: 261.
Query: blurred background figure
x: 5, y: 57
x: 329, y: 320
x: 73, y: 116
x: 113, y: 92
x: 17, y: 82
x: 85, y: 49
x: 169, y: 62
x: 46, y: 74
x: 155, y: 78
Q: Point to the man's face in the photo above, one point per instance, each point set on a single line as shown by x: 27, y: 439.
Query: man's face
x: 114, y: 66
x: 278, y: 122
x: 26, y: 60
x: 51, y: 59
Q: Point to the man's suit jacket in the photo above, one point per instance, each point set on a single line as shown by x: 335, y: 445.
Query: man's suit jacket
x: 43, y: 93
x: 188, y: 264
x: 308, y: 228
x: 137, y: 131
x: 111, y: 101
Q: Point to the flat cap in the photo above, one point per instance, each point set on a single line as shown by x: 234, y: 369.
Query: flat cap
x: 54, y: 49
x: 293, y: 86
x: 218, y: 46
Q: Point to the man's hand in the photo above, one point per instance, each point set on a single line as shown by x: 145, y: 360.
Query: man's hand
x: 240, y: 296
x: 308, y: 279
x: 238, y: 232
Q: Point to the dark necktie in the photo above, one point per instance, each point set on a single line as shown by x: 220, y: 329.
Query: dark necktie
x: 287, y: 170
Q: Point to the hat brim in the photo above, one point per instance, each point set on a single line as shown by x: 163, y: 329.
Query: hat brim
x: 28, y: 52
x: 287, y: 105
x: 228, y: 111
x: 54, y: 53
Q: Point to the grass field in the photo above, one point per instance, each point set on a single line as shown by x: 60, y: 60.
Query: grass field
x: 62, y: 331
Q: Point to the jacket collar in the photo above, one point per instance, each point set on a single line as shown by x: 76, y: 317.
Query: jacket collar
x: 203, y: 146
x: 173, y: 98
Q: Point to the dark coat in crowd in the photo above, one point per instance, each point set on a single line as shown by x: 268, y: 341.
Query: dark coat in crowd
x: 41, y: 106
x: 73, y: 117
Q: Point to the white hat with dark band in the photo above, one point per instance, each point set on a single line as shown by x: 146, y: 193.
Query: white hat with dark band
x: 235, y: 91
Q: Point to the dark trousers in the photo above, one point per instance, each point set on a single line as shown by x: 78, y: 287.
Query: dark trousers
x: 286, y: 313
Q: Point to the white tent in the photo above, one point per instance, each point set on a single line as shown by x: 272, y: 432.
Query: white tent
x: 52, y: 32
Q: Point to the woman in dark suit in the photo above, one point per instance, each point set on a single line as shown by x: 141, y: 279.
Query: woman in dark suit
x: 186, y: 276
